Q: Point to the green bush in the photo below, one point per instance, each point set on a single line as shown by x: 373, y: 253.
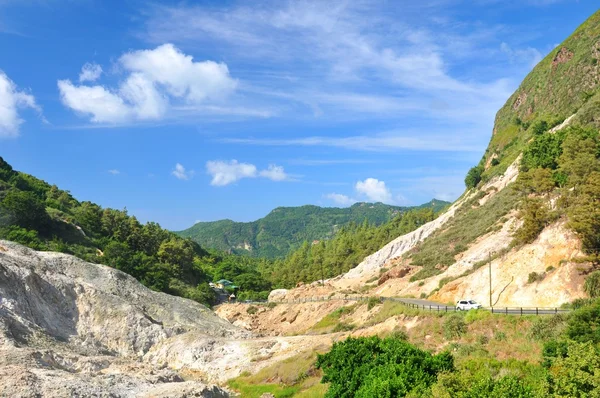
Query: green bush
x: 252, y: 310
x: 473, y: 177
x: 535, y: 217
x: 592, y: 284
x: 575, y: 373
x: 454, y: 326
x: 584, y: 324
x: 480, y: 385
x: 534, y: 277
x: 550, y: 327
x: 372, y: 302
x: 370, y: 367
x: 483, y: 339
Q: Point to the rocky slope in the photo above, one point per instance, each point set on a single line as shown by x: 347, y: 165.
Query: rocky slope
x: 71, y: 328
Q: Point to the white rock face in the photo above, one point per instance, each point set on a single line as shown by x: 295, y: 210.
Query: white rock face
x: 278, y: 295
x: 72, y: 328
x: 371, y: 265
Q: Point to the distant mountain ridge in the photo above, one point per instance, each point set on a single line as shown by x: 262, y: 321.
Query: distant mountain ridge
x: 285, y: 228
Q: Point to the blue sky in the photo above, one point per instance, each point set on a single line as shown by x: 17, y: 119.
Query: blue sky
x: 189, y: 111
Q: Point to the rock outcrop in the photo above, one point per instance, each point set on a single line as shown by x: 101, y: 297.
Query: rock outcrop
x: 72, y: 328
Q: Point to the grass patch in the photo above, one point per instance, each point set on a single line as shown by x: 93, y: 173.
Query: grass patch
x: 293, y: 377
x: 257, y: 390
x: 332, y: 321
x: 390, y: 309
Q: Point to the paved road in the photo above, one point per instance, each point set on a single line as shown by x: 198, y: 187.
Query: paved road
x: 433, y: 306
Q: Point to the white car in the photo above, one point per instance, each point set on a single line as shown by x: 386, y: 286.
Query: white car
x: 465, y: 305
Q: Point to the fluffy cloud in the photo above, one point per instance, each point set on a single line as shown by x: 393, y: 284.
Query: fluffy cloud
x: 275, y: 173
x: 340, y: 199
x: 114, y: 172
x: 156, y: 80
x: 375, y: 190
x: 90, y: 72
x: 11, y: 100
x: 225, y: 173
x: 181, y: 173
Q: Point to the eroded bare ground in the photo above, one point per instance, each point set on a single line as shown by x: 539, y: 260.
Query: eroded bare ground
x: 71, y: 328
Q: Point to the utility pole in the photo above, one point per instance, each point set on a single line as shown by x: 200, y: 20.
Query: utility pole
x: 490, y: 268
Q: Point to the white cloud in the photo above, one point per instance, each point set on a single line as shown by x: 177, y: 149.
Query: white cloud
x: 11, y: 101
x: 157, y: 81
x: 375, y: 190
x: 275, y: 173
x: 225, y: 173
x: 114, y: 172
x: 180, y: 76
x: 104, y: 106
x: 90, y: 72
x: 342, y: 200
x: 181, y: 173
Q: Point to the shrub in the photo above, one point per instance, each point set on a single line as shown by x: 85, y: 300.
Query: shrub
x: 480, y: 385
x: 483, y: 339
x: 534, y: 277
x: 271, y: 305
x: 23, y: 236
x: 592, y: 284
x: 374, y: 367
x: 252, y: 310
x: 545, y: 328
x: 575, y: 374
x: 539, y: 127
x: 495, y: 162
x: 473, y: 177
x: 398, y: 334
x: 535, y: 217
x: 372, y: 302
x: 454, y: 326
x: 584, y: 324
x: 343, y: 327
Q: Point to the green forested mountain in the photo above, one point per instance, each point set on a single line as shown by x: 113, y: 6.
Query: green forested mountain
x: 285, y: 228
x: 44, y: 217
x: 328, y: 258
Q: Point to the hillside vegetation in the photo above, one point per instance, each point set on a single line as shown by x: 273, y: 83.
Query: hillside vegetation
x: 285, y: 228
x: 346, y: 250
x: 563, y: 84
x: 552, y: 120
x: 44, y: 217
x: 427, y: 354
